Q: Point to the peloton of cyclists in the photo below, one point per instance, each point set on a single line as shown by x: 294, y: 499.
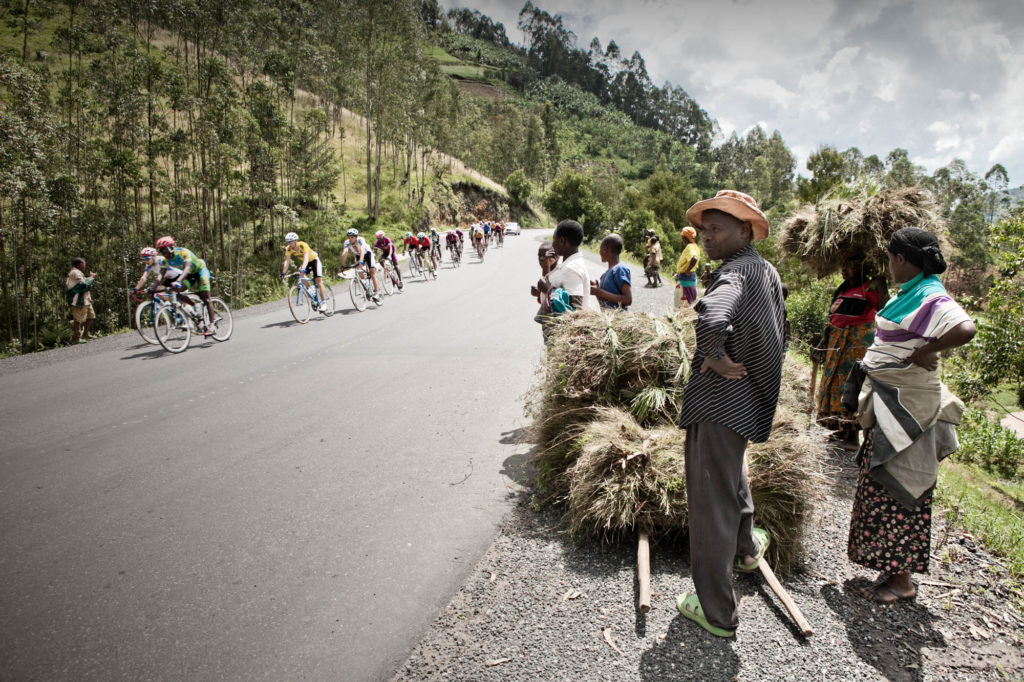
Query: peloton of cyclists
x: 387, y: 252
x: 194, y: 275
x: 311, y: 263
x: 361, y: 251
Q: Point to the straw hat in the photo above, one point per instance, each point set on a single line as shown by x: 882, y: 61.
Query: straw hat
x: 737, y: 204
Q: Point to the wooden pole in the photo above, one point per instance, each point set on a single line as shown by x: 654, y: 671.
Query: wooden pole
x: 643, y: 571
x: 812, y: 388
x: 787, y: 601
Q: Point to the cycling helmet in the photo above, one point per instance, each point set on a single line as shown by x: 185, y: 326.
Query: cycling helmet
x: 291, y: 237
x: 165, y: 243
x: 421, y: 235
x: 147, y: 252
x: 433, y: 230
x: 408, y: 234
x: 380, y: 234
x: 353, y: 232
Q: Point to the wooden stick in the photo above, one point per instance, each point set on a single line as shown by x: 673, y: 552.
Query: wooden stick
x: 643, y: 571
x: 813, y: 388
x: 787, y: 601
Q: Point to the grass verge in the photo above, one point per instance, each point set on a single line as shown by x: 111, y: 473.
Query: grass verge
x: 988, y: 508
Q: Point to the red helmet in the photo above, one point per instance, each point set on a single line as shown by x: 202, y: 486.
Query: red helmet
x: 146, y: 253
x: 165, y: 243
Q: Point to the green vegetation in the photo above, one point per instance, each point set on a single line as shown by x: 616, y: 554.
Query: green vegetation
x: 986, y: 508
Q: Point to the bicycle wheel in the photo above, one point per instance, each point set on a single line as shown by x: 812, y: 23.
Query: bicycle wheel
x: 145, y: 316
x: 384, y: 277
x: 299, y: 304
x: 327, y: 307
x: 414, y: 266
x: 173, y: 331
x: 225, y: 325
x: 357, y: 293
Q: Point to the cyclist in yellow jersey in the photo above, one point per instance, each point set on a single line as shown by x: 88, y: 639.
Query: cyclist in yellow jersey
x: 311, y: 264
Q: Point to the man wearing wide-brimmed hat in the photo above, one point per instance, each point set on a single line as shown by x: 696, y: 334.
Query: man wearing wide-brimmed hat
x: 729, y: 401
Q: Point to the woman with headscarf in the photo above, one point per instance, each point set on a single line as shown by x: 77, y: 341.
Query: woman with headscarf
x: 908, y: 415
x: 850, y: 330
x: 686, y: 269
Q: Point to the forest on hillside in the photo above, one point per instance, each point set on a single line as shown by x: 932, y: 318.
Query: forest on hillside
x: 227, y: 124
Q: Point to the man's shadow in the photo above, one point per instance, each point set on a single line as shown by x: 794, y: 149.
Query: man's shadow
x: 689, y: 653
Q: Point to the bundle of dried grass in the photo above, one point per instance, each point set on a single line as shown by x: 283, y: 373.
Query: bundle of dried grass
x: 604, y: 415
x: 631, y: 360
x: 839, y: 231
x: 629, y: 478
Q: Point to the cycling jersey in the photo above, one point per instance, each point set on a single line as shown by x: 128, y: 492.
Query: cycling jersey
x: 435, y: 237
x: 386, y: 246
x: 424, y: 243
x: 487, y: 228
x: 300, y: 249
x: 182, y: 257
x: 358, y: 247
x: 198, y: 274
x: 478, y: 233
x: 451, y: 238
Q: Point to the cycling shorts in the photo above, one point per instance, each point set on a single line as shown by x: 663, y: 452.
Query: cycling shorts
x: 315, y: 268
x: 368, y: 258
x: 199, y: 281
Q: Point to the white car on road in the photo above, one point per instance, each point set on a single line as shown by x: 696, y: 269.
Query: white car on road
x: 513, y: 228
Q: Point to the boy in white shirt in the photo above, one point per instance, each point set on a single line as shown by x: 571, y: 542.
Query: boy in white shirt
x: 571, y: 274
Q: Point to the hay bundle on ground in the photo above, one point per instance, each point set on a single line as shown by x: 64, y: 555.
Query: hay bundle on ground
x: 856, y: 230
x: 629, y: 478
x: 604, y: 415
x: 631, y: 360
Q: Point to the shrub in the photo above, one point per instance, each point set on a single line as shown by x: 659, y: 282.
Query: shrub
x: 807, y: 307
x: 988, y: 445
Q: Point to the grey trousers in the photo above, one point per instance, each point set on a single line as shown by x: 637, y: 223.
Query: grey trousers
x: 720, y: 512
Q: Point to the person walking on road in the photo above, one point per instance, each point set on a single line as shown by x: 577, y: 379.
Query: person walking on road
x: 78, y: 294
x: 730, y: 401
x: 686, y: 269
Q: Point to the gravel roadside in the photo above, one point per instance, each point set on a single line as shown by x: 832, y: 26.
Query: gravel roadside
x: 542, y: 607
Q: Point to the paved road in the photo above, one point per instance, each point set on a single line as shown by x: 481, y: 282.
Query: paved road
x: 296, y: 503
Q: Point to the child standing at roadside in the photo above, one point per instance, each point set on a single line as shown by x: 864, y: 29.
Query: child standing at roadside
x: 615, y: 289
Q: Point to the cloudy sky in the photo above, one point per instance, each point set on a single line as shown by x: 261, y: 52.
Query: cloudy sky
x: 943, y: 79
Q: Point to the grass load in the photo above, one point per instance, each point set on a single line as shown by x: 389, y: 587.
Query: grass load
x: 604, y: 415
x: 858, y: 229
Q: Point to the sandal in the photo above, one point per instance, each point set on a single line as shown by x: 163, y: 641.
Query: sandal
x: 875, y: 592
x: 689, y: 606
x: 763, y: 540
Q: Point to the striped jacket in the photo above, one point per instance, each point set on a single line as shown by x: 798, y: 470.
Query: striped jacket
x: 741, y: 314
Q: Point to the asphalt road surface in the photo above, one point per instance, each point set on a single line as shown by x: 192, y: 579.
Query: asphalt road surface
x: 296, y: 503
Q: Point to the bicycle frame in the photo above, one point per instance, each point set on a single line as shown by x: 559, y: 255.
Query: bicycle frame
x: 304, y: 283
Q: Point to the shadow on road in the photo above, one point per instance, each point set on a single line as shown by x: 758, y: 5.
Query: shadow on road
x: 887, y: 637
x: 689, y: 653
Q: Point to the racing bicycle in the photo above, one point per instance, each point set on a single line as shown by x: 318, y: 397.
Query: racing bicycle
x: 174, y: 321
x: 304, y: 298
x: 360, y: 288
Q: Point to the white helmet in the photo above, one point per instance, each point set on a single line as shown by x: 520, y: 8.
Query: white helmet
x: 421, y: 235
x: 291, y: 237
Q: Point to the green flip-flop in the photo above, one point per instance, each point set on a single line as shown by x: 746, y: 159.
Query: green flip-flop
x: 689, y: 606
x: 763, y: 540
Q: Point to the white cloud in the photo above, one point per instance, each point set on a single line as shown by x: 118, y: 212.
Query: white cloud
x: 875, y: 74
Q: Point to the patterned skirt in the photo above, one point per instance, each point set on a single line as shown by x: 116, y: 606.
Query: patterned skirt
x: 846, y: 345
x: 884, y: 536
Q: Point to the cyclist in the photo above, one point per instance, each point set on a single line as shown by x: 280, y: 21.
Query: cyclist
x: 155, y: 265
x: 478, y: 239
x: 194, y: 275
x: 387, y: 252
x: 435, y: 242
x: 408, y: 242
x: 311, y: 263
x: 361, y: 251
x: 487, y: 233
x: 452, y: 238
x: 426, y: 257
x: 499, y: 231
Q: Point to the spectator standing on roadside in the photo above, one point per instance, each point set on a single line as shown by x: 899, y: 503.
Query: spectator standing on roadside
x: 729, y: 402
x: 571, y: 274
x: 78, y: 294
x: 614, y: 290
x: 548, y: 260
x: 653, y: 261
x: 686, y: 269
